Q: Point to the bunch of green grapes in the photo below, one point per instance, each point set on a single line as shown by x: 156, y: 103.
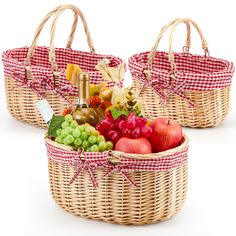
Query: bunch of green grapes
x: 81, y: 136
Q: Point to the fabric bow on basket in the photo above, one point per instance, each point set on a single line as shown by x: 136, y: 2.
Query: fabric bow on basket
x: 42, y: 83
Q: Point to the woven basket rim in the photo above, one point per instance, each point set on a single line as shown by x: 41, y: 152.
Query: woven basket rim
x: 150, y: 156
x: 228, y: 66
x: 6, y: 55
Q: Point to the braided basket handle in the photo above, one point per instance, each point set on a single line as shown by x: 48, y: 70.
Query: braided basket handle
x: 171, y: 54
x: 53, y: 28
x: 41, y: 26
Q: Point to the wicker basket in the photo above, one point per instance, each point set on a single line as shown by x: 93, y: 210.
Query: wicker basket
x: 192, y: 89
x: 39, y: 72
x: 132, y: 189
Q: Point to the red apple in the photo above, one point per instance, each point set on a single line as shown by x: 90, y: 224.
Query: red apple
x: 137, y: 145
x: 166, y: 134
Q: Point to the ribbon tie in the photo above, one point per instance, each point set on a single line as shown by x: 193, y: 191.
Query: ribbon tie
x: 157, y: 85
x: 41, y: 84
x: 119, y: 168
x: 81, y: 164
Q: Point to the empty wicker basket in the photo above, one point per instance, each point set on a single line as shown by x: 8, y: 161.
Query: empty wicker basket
x: 192, y: 89
x: 117, y: 187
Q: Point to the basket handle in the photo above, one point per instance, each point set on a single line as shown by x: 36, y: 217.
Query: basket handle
x: 171, y: 54
x: 56, y: 12
x: 188, y: 37
x: 52, y: 57
x: 40, y: 27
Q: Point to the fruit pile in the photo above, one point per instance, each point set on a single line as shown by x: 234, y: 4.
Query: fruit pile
x: 130, y: 126
x: 81, y: 136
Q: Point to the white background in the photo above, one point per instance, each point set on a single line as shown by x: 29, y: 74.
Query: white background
x: 120, y: 28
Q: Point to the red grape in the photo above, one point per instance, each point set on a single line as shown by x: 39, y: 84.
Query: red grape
x: 109, y: 117
x: 126, y: 132
x: 114, y: 126
x: 141, y: 121
x: 122, y: 125
x: 115, y: 137
x: 131, y: 117
x: 131, y: 124
x: 110, y: 133
x: 146, y: 131
x: 136, y: 132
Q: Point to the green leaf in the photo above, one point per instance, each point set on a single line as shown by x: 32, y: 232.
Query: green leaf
x: 55, y: 124
x: 117, y: 113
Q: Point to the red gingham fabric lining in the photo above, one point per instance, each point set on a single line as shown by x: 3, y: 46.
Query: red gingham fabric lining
x: 14, y: 63
x: 99, y: 159
x: 199, y: 73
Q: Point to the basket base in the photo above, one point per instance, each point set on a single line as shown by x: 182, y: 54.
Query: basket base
x: 157, y: 197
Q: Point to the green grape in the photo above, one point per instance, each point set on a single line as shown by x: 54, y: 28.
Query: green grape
x: 94, y: 148
x: 88, y: 149
x: 69, y: 118
x: 96, y: 133
x: 58, y: 132
x: 65, y: 141
x: 69, y: 139
x: 102, y: 146
x: 68, y: 130
x: 100, y: 138
x: 85, y: 144
x: 63, y: 133
x: 65, y: 124
x: 76, y: 133
x: 77, y: 142
x: 84, y: 135
x: 109, y: 145
x: 92, y: 139
x: 88, y: 129
x: 59, y: 139
x: 81, y: 128
x: 74, y: 124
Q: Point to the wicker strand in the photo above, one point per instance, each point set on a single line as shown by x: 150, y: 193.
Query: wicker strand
x: 40, y: 27
x: 171, y: 54
x: 163, y: 30
x: 53, y: 28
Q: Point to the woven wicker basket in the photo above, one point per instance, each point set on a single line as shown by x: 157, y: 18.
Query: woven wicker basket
x: 192, y: 89
x: 27, y: 69
x: 159, y: 193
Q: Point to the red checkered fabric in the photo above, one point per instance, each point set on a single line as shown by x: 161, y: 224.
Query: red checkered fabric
x: 193, y: 72
x: 99, y: 159
x: 14, y: 66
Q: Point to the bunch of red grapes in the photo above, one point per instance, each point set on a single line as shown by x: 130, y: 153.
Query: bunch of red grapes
x: 130, y: 126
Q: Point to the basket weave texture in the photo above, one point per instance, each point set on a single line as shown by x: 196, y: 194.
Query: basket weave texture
x: 131, y: 189
x: 36, y: 72
x: 192, y: 89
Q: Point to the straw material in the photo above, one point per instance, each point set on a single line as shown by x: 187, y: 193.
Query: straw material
x: 21, y: 103
x: 158, y: 196
x: 39, y: 72
x: 210, y: 107
x: 202, y: 83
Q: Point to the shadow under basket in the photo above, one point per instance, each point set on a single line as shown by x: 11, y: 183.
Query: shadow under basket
x: 131, y: 189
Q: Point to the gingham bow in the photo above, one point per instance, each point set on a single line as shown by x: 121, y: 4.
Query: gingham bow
x: 43, y: 83
x: 155, y: 84
x: 178, y: 90
x: 48, y: 84
x: 119, y: 168
x: 81, y: 165
x: 22, y: 81
x: 158, y: 84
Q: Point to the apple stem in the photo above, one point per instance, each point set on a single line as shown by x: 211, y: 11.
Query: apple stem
x: 168, y: 122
